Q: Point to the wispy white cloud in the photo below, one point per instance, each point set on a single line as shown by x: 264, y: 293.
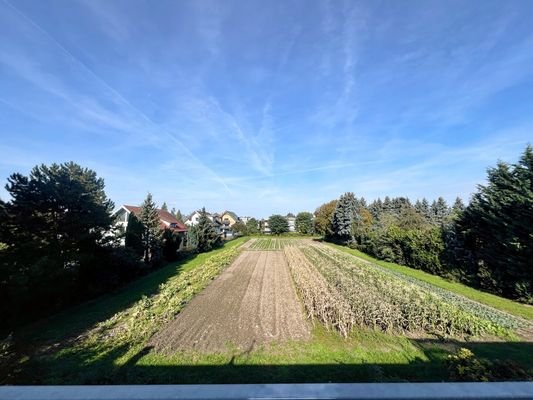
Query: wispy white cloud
x: 266, y: 108
x: 110, y: 20
x: 90, y: 107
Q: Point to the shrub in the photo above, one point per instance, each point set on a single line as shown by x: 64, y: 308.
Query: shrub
x: 465, y: 366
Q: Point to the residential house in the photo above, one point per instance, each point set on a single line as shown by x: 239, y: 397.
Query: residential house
x: 291, y: 219
x: 228, y: 219
x: 193, y: 219
x: 166, y: 219
x: 244, y: 220
x: 263, y: 227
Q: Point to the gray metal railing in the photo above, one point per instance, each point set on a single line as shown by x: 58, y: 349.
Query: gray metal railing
x: 364, y: 391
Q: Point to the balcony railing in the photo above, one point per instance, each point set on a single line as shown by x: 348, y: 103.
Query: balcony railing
x: 366, y: 391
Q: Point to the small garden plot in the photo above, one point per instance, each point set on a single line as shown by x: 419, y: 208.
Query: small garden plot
x: 251, y: 303
x: 497, y: 317
x: 269, y: 243
x: 379, y: 300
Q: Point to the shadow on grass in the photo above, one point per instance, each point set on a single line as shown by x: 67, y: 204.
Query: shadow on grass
x: 76, y: 369
x: 77, y: 320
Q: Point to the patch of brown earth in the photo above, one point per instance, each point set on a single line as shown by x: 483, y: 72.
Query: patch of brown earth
x: 251, y: 303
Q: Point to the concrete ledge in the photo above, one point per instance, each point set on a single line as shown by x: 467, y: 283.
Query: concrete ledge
x: 367, y: 391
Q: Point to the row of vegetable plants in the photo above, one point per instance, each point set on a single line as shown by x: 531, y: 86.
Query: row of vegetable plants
x: 321, y: 301
x: 342, y: 291
x: 383, y: 302
x: 497, y: 317
x: 268, y: 244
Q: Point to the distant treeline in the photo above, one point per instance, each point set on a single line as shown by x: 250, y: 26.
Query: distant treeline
x: 487, y: 244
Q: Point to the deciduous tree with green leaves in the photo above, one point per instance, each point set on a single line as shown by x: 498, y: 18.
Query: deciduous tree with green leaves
x: 239, y: 228
x: 304, y: 223
x: 252, y: 226
x: 324, y: 218
x: 278, y: 224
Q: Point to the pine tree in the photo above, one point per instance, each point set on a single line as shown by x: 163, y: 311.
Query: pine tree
x: 345, y: 216
x: 133, y: 235
x: 151, y: 236
x: 376, y: 209
x: 164, y: 207
x: 439, y: 211
x: 192, y: 238
x: 422, y: 207
x: 387, y: 204
x: 398, y: 205
x: 458, y: 207
x: 425, y: 209
x: 498, y: 225
x: 207, y: 235
x: 179, y: 217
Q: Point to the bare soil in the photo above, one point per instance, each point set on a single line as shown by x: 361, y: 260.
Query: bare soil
x: 251, y: 303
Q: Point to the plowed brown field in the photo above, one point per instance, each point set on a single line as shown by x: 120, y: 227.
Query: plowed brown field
x: 251, y: 303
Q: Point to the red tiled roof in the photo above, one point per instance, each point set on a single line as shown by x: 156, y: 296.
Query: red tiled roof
x: 163, y: 216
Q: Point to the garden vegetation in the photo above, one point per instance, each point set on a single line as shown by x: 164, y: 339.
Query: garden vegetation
x: 487, y: 244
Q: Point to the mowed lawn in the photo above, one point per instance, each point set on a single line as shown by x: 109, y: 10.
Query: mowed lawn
x: 92, y: 344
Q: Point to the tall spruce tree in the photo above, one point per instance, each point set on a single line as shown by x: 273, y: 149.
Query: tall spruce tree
x: 422, y: 207
x: 152, y: 234
x: 426, y: 209
x: 376, y: 209
x: 458, y: 207
x: 498, y: 224
x: 133, y: 235
x: 345, y: 216
x: 164, y: 207
x: 179, y: 216
x: 439, y: 211
x: 207, y: 234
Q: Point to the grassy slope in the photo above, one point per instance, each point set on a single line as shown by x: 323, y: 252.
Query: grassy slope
x: 365, y: 356
x: 59, y: 330
x: 77, y: 319
x: 520, y: 310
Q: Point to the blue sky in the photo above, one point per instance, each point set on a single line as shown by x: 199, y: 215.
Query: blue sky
x: 267, y: 107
